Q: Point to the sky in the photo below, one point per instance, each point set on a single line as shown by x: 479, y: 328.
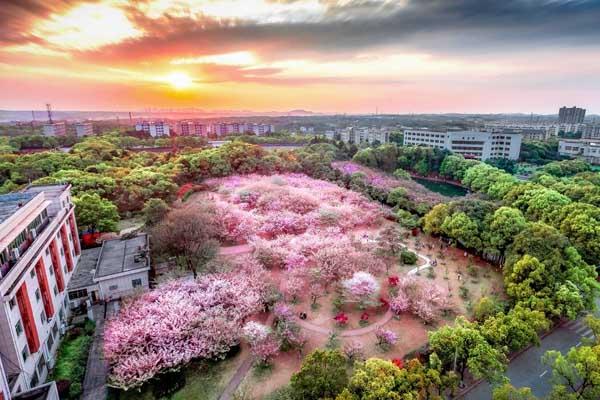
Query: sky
x: 353, y: 56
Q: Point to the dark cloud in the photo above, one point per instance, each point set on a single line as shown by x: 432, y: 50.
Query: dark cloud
x: 17, y: 16
x: 463, y: 26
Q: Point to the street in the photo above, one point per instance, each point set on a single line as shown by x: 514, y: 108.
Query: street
x: 527, y: 369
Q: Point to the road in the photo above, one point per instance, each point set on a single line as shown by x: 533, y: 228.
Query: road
x: 527, y: 368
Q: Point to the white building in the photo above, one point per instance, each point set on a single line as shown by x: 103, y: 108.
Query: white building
x: 192, y: 128
x: 84, y: 129
x: 39, y: 248
x: 261, y: 129
x: 470, y: 144
x: 360, y: 135
x: 591, y: 132
x: 117, y: 269
x: 55, y: 129
x: 588, y: 149
x: 154, y: 128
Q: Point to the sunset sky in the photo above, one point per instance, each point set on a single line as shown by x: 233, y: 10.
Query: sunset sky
x: 401, y: 56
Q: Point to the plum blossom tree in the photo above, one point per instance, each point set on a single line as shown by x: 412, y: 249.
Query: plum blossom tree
x: 179, y: 321
x: 421, y: 297
x: 385, y: 338
x: 361, y: 288
x: 262, y: 341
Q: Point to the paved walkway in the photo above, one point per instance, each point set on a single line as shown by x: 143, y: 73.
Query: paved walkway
x: 242, y: 370
x: 94, y: 384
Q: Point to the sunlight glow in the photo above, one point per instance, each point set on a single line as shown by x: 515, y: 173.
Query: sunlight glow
x: 239, y: 58
x: 179, y: 80
x: 87, y: 26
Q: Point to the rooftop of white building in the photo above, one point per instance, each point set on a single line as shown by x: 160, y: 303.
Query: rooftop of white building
x: 122, y: 255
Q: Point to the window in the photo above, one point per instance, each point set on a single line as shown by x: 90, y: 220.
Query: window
x: 43, y: 317
x: 136, y: 282
x: 12, y: 303
x: 51, y: 271
x: 37, y: 295
x: 66, y: 302
x: 78, y: 294
x: 41, y: 364
x: 55, y: 291
x: 19, y: 328
x: 55, y: 328
x: 32, y: 273
x: 65, y: 269
x: 25, y: 353
x: 34, y: 380
x: 62, y: 251
x: 113, y: 287
x: 47, y: 251
x: 61, y: 314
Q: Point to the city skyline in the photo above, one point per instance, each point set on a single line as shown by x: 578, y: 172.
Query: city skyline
x: 346, y: 56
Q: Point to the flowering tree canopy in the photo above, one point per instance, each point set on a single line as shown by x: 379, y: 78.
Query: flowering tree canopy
x: 362, y: 287
x: 421, y: 297
x: 179, y: 321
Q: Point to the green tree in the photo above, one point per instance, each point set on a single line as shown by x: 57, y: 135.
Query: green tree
x: 463, y: 229
x: 154, y: 210
x: 577, y: 374
x: 94, y: 213
x: 463, y: 345
x: 502, y: 227
x: 509, y: 392
x: 322, y: 375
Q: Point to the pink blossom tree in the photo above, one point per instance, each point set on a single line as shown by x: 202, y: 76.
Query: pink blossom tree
x: 421, y: 297
x: 362, y: 288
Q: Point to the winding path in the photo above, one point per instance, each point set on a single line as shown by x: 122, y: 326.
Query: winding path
x: 367, y: 329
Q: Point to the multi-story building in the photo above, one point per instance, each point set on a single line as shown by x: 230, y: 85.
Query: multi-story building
x: 426, y: 138
x: 154, y: 128
x: 591, y: 132
x: 192, y: 128
x: 360, y: 135
x: 588, y: 149
x: 84, y: 129
x: 55, y: 129
x: 39, y: 248
x: 480, y: 145
x: 218, y: 129
x: 571, y: 115
x: 261, y: 129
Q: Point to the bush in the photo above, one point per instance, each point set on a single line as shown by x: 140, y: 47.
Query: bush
x: 408, y: 257
x: 75, y: 390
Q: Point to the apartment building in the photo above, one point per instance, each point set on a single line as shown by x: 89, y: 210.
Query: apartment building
x: 154, y: 128
x: 368, y: 135
x: 572, y: 115
x: 192, y: 128
x: 218, y: 129
x: 588, y: 149
x: 260, y: 129
x: 84, y: 129
x: 480, y: 145
x: 55, y: 129
x: 39, y: 248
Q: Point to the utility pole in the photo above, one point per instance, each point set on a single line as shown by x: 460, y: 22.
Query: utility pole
x: 49, y: 113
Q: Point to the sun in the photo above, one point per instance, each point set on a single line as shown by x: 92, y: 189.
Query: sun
x: 179, y: 80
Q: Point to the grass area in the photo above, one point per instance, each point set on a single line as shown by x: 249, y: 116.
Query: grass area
x: 72, y: 359
x: 204, y: 380
x: 133, y: 222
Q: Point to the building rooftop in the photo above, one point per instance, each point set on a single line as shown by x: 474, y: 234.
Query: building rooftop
x: 42, y: 392
x: 11, y: 202
x: 122, y: 255
x: 83, y: 276
x: 50, y: 191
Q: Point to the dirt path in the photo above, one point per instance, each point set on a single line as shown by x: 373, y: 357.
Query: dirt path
x: 235, y: 250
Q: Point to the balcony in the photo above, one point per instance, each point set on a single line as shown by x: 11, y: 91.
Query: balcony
x: 31, y: 246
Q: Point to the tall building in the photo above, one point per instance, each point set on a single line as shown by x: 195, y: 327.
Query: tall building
x: 571, y: 115
x: 39, y: 247
x: 480, y: 145
x: 154, y: 128
x: 591, y: 132
x: 360, y: 135
x: 55, y: 129
x: 84, y: 129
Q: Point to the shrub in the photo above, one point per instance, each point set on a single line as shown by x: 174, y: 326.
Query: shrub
x: 322, y: 375
x: 75, y: 390
x: 408, y: 257
x: 463, y: 292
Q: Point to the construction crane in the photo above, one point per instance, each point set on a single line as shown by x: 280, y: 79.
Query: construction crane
x: 49, y: 113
